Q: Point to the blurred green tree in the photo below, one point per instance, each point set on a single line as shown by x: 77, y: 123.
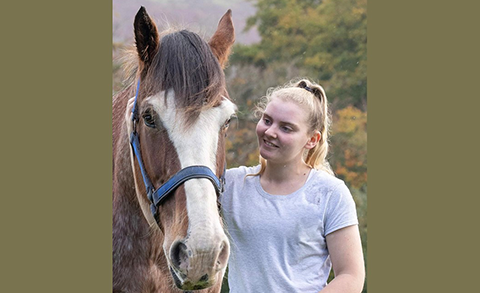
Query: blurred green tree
x: 326, y: 38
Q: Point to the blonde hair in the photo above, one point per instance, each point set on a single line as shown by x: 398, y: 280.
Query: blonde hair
x: 313, y: 99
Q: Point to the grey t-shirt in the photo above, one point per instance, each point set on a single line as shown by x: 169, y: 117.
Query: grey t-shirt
x: 278, y: 241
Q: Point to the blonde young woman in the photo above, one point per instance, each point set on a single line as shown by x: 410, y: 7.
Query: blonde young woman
x: 290, y: 219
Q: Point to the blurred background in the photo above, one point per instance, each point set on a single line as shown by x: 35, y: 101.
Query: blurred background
x: 276, y: 41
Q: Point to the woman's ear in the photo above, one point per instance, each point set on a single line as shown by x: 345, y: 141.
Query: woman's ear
x: 313, y: 140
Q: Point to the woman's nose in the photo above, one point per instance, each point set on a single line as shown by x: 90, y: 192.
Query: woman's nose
x: 270, y: 132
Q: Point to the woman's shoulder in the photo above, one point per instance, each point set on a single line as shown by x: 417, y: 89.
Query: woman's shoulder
x: 241, y: 171
x: 237, y: 177
x: 326, y: 180
x: 325, y: 188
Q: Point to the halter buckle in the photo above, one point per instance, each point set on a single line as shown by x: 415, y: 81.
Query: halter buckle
x: 134, y: 126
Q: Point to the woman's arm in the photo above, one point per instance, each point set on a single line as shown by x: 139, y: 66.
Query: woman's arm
x: 345, y: 248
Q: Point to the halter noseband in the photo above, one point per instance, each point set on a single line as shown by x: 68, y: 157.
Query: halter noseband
x: 157, y: 196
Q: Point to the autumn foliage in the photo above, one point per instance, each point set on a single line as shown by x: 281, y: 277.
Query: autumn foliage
x: 349, y: 146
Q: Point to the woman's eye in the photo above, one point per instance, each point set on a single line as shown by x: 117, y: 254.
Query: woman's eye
x: 149, y: 119
x: 266, y: 121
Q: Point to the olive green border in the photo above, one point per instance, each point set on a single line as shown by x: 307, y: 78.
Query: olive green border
x: 55, y: 206
x: 56, y: 146
x: 422, y: 63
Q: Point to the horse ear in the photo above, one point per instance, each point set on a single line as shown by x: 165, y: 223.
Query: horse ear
x: 146, y: 35
x: 223, y: 39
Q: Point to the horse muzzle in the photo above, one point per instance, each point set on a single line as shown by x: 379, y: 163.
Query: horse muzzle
x: 194, y: 267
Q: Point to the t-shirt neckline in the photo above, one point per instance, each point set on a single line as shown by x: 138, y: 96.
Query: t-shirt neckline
x: 265, y: 194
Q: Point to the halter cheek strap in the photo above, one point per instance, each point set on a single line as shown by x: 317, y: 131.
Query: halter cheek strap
x: 156, y: 197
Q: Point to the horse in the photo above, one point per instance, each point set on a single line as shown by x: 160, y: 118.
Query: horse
x: 169, y: 161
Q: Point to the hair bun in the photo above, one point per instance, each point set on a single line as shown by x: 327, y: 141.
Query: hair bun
x: 315, y: 90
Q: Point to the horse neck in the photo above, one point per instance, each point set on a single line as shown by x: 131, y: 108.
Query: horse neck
x: 127, y: 214
x: 136, y: 246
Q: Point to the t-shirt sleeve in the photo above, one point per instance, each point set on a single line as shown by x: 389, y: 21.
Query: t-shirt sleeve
x: 340, y: 210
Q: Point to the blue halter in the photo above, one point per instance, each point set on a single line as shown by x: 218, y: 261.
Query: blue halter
x: 157, y: 196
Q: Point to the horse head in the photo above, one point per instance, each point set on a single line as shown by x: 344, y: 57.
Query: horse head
x: 181, y: 115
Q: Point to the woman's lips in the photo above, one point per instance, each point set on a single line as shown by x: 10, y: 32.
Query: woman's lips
x: 269, y: 144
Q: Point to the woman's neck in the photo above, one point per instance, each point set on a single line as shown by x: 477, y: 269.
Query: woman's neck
x: 283, y: 179
x: 285, y: 171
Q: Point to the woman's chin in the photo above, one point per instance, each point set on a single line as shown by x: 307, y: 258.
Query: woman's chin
x: 267, y: 155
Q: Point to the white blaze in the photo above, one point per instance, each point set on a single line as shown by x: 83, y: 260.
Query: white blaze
x: 196, y: 145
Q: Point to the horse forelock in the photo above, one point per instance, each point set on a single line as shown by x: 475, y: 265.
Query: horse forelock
x: 186, y: 65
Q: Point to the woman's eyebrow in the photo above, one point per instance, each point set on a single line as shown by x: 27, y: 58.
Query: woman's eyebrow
x: 287, y: 123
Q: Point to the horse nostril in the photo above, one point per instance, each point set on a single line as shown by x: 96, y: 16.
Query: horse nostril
x: 179, y: 255
x: 204, y: 278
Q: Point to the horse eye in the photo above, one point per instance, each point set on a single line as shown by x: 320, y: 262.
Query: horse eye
x: 149, y: 119
x: 227, y: 123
